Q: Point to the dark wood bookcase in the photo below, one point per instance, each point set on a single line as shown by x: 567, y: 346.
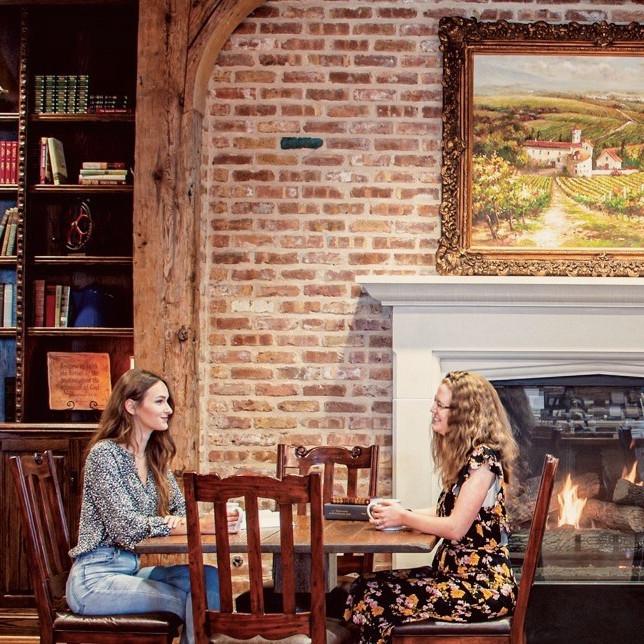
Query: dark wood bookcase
x: 97, y: 39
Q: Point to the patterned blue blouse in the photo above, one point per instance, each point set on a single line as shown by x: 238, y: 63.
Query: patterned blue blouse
x: 117, y: 509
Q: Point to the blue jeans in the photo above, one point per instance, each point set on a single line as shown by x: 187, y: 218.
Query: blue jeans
x: 108, y: 581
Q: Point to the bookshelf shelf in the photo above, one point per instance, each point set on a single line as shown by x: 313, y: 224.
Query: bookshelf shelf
x: 82, y: 260
x: 61, y: 55
x: 80, y: 331
x: 74, y: 188
x: 106, y: 117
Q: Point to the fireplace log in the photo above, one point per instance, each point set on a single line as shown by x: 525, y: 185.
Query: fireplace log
x: 610, y: 515
x: 521, y: 508
x: 627, y: 493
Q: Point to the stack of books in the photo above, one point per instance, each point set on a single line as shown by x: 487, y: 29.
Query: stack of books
x: 103, y: 173
x: 61, y: 94
x: 8, y: 162
x: 8, y: 304
x: 51, y: 304
x: 107, y: 103
x: 8, y: 230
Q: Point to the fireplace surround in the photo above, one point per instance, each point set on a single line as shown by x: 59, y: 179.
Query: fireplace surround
x: 509, y: 329
x: 506, y: 328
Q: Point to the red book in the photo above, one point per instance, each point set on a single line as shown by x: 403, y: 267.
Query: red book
x: 3, y: 163
x: 50, y: 305
x: 39, y: 302
x: 14, y: 161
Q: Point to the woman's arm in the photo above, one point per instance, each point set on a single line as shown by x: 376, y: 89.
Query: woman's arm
x: 455, y: 526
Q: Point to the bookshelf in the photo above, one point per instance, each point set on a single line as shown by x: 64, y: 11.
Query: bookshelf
x: 86, y: 52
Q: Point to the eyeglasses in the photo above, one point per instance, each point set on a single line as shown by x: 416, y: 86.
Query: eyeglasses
x: 441, y: 405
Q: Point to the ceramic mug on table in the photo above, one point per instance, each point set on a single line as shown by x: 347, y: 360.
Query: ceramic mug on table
x: 378, y: 501
x: 231, y: 506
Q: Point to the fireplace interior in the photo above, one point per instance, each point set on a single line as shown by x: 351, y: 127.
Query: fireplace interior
x: 595, y: 426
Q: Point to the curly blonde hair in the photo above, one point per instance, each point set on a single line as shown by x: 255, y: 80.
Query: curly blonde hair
x: 476, y: 418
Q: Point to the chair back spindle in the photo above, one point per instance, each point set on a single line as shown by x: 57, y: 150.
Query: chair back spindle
x: 210, y: 488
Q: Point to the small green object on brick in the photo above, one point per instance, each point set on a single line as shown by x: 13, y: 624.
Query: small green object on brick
x: 291, y: 142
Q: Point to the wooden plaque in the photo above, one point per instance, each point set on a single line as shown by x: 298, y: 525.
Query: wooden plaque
x: 78, y: 380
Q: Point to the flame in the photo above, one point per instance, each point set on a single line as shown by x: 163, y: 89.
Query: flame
x: 631, y: 475
x: 570, y: 505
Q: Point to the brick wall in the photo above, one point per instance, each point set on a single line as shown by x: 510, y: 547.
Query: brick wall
x: 291, y: 350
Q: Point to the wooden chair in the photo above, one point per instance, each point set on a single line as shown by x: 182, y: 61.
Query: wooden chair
x: 45, y: 527
x: 302, y: 460
x: 509, y: 630
x: 211, y: 625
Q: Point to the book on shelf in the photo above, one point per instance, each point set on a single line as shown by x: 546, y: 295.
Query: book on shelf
x: 103, y: 180
x: 61, y: 93
x: 8, y: 162
x: 51, y: 304
x: 103, y: 165
x: 39, y: 302
x: 93, y: 172
x: 57, y: 158
x: 9, y: 305
x: 8, y: 230
x: 44, y: 168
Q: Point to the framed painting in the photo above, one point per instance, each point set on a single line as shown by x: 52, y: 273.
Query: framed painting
x: 543, y: 148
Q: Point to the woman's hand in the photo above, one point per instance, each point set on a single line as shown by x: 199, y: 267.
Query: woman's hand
x: 177, y: 525
x: 387, y: 514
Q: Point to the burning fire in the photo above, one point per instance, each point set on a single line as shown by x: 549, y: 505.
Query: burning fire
x: 570, y: 505
x: 631, y: 475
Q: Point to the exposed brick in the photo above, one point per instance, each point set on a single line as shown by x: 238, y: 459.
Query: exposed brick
x: 281, y: 390
x: 324, y: 390
x: 251, y: 405
x: 251, y: 373
x: 344, y: 407
x: 275, y: 423
x: 299, y: 406
x: 374, y: 61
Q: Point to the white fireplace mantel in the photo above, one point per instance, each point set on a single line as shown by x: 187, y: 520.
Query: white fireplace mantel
x: 501, y: 327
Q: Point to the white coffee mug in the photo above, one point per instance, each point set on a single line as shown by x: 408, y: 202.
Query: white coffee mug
x: 231, y: 506
x: 378, y: 501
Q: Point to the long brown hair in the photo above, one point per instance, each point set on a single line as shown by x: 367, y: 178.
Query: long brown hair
x: 476, y: 417
x: 116, y: 424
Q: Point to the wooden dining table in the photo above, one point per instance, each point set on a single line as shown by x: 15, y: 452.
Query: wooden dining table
x: 339, y: 536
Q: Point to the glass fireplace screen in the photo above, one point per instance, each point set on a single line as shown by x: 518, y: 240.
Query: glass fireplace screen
x: 595, y: 426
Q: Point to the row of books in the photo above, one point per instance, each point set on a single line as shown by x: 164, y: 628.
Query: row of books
x: 66, y: 94
x: 8, y: 162
x: 8, y: 231
x: 51, y: 304
x: 106, y: 103
x: 8, y: 304
x: 69, y: 94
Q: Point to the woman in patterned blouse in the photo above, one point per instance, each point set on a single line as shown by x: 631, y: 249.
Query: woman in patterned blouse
x: 470, y: 578
x: 129, y: 493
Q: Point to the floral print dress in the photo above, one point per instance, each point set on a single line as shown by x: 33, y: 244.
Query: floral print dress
x: 470, y: 580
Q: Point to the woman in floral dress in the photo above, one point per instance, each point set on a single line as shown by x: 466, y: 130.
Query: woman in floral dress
x: 470, y: 579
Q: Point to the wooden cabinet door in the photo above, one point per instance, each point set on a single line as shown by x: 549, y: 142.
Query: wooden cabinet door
x: 15, y: 590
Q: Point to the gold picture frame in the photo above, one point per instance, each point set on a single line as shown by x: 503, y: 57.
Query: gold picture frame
x: 546, y: 140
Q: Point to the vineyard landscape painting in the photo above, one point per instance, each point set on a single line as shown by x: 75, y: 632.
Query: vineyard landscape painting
x: 557, y: 152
